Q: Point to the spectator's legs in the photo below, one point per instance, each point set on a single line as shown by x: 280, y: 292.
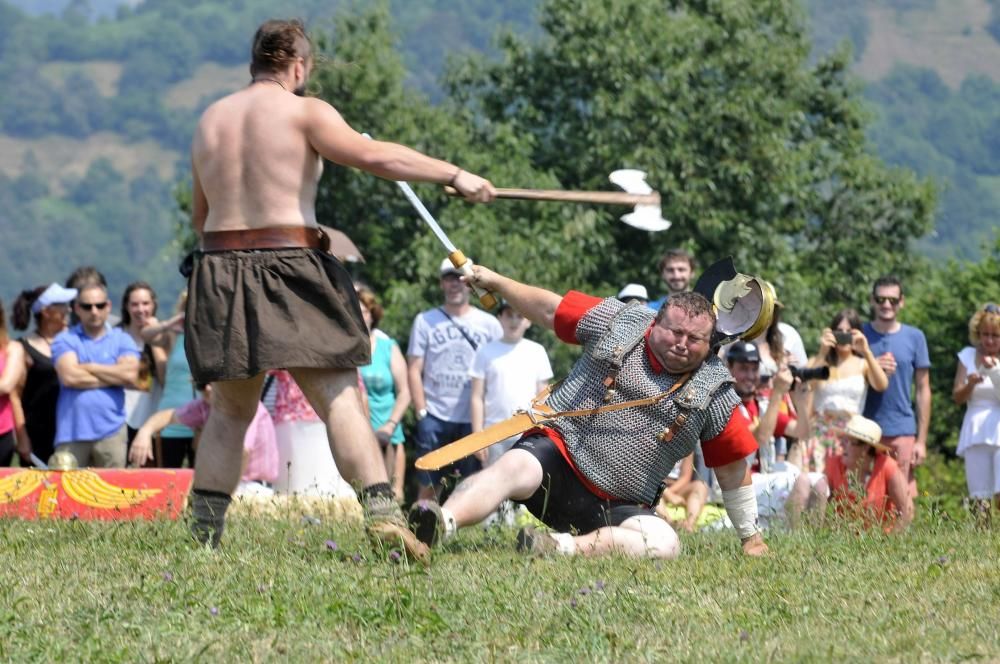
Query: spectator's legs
x: 81, y: 450
x: 7, y: 447
x: 981, y: 478
x: 903, y: 447
x: 638, y: 536
x: 995, y: 467
x: 111, y: 451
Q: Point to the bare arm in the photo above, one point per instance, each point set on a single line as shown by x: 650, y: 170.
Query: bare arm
x: 335, y: 140
x: 769, y: 420
x: 397, y: 367
x: 415, y: 370
x: 142, y: 445
x: 923, y: 380
x: 163, y: 334
x: 13, y: 371
x: 964, y: 384
x: 536, y: 304
x: 124, y: 373
x: 73, y: 374
x: 874, y: 373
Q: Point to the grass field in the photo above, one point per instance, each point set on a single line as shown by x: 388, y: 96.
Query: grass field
x: 290, y: 588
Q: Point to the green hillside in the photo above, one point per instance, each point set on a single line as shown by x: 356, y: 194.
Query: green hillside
x: 98, y: 100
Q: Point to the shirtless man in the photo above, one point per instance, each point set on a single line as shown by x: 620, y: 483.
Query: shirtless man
x: 264, y: 295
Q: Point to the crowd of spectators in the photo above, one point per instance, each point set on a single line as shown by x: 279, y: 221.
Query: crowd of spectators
x: 116, y: 391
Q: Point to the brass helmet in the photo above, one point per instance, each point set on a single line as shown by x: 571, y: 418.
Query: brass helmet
x: 63, y: 460
x: 744, y: 304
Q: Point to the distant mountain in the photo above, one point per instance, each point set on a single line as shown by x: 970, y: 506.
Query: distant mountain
x: 93, y: 8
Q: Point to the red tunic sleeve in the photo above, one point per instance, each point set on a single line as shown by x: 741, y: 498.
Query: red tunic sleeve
x: 732, y: 444
x: 571, y: 309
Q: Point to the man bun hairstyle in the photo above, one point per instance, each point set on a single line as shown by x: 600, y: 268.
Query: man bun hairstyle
x: 277, y: 44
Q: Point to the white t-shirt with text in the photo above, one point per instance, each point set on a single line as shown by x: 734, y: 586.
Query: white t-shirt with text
x: 511, y: 374
x: 448, y: 356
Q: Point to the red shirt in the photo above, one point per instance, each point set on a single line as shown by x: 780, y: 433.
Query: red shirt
x: 874, y: 505
x: 733, y: 443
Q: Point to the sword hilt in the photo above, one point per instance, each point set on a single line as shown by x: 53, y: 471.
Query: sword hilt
x: 464, y: 265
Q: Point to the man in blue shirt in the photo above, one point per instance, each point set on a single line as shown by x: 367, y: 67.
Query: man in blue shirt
x: 901, y: 350
x: 94, y: 362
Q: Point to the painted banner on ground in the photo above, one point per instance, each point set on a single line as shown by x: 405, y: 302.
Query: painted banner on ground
x: 94, y: 493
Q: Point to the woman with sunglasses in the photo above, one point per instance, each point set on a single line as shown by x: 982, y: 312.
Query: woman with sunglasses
x: 977, y: 385
x: 36, y: 382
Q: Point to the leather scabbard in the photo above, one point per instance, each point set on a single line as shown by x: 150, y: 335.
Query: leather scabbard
x: 474, y: 442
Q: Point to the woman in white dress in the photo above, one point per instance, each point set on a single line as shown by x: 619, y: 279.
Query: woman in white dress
x: 853, y: 370
x: 977, y: 385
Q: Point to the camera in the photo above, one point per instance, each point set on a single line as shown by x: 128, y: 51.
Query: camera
x: 815, y: 373
x: 843, y: 337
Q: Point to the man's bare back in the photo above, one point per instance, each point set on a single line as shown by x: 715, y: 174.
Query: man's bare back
x: 254, y: 162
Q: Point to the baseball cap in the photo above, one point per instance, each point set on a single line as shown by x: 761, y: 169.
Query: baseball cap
x: 637, y: 291
x: 448, y: 268
x: 54, y: 294
x: 743, y: 351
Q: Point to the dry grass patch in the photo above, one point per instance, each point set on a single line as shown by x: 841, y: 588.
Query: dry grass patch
x: 950, y: 38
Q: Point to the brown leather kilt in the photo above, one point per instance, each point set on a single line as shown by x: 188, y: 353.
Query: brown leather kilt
x: 253, y: 310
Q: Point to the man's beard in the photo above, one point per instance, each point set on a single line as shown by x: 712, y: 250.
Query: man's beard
x: 301, y: 90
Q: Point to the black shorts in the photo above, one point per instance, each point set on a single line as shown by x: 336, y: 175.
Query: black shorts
x: 563, y: 502
x: 250, y: 311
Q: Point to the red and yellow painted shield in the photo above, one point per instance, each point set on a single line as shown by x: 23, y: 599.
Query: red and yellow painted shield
x: 94, y: 493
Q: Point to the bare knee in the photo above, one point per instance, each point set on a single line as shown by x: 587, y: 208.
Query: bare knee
x: 659, y: 539
x: 518, y: 470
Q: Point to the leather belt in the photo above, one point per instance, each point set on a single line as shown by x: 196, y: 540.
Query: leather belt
x: 271, y: 237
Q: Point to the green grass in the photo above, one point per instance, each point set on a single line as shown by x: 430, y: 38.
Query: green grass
x: 276, y: 591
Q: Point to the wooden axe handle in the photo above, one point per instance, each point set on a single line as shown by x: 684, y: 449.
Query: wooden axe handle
x: 603, y: 197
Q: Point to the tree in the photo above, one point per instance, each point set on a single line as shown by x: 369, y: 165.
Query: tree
x: 365, y: 82
x: 758, y: 153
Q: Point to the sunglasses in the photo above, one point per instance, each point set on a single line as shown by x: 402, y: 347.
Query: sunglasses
x: 882, y: 299
x: 991, y: 308
x: 91, y: 306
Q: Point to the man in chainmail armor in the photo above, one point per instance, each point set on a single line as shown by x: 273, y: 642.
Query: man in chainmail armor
x: 595, y: 477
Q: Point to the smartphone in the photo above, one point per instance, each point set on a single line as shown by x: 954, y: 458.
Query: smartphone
x: 843, y: 338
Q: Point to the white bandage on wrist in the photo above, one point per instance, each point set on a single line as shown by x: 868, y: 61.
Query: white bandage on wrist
x: 741, y: 505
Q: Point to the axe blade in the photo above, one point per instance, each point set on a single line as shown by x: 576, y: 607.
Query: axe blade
x: 644, y: 217
x: 647, y: 218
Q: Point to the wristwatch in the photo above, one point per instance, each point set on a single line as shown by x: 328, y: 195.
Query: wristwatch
x: 421, y: 414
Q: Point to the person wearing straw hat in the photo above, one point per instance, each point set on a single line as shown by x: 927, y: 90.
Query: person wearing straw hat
x: 866, y: 462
